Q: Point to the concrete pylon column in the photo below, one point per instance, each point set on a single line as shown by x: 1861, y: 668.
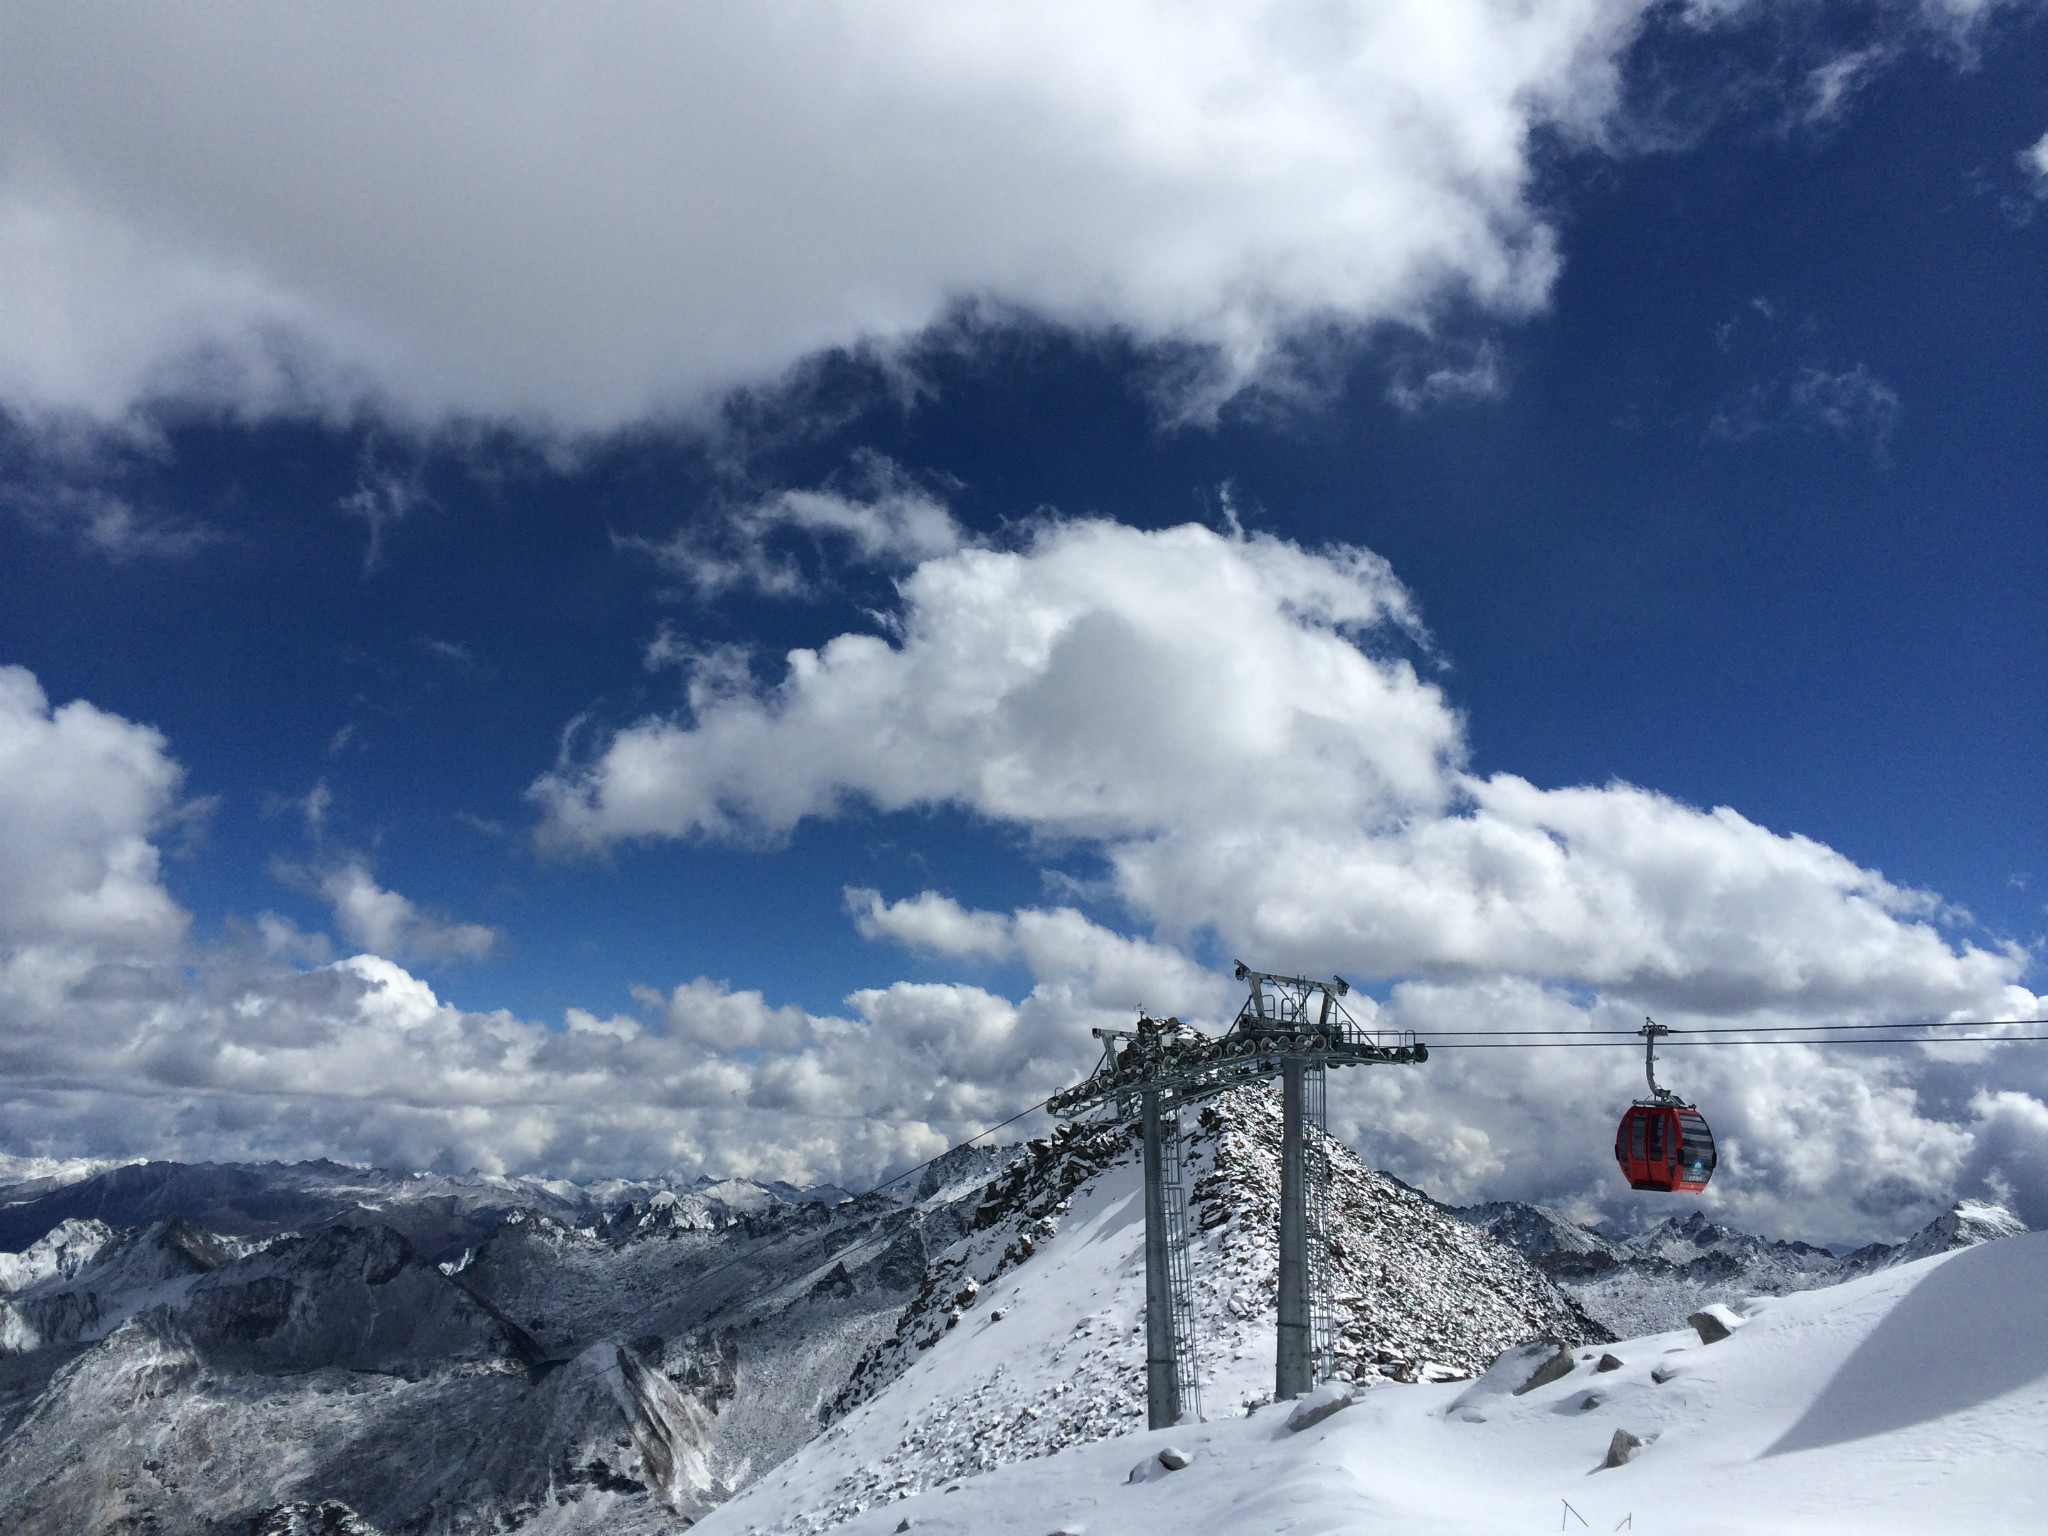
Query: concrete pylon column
x: 1162, y: 1382
x: 1294, y: 1360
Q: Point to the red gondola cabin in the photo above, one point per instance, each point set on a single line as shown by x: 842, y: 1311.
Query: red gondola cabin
x: 1665, y: 1147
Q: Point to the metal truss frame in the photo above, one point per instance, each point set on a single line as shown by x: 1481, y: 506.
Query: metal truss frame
x: 1290, y: 1027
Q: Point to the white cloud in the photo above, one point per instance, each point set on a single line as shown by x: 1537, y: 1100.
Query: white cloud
x: 2034, y: 161
x: 1103, y: 682
x: 103, y: 522
x: 1225, y: 719
x: 934, y: 922
x: 81, y: 794
x: 360, y: 1059
x: 580, y: 216
x: 1091, y: 965
x: 1852, y: 403
x: 117, y: 1037
x: 390, y: 925
x: 1465, y: 381
x: 888, y: 521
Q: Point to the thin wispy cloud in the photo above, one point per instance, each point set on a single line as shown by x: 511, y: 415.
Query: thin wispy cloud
x: 1853, y: 404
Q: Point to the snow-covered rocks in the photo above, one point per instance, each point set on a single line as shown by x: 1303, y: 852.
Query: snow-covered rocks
x: 1715, y: 1323
x: 58, y: 1254
x: 1170, y: 1459
x: 1964, y: 1225
x: 1311, y: 1408
x: 181, y: 1380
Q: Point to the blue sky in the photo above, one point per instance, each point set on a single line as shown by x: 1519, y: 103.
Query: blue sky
x: 450, y: 517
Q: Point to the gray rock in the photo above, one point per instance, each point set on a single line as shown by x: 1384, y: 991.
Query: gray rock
x: 1608, y: 1363
x: 1173, y: 1458
x: 1709, y: 1327
x: 1556, y: 1368
x: 1622, y: 1448
x: 1311, y: 1409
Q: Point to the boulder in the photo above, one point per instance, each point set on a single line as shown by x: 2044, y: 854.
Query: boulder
x: 1556, y: 1368
x: 1608, y: 1363
x: 1622, y: 1448
x: 1169, y: 1460
x: 1311, y: 1408
x: 1711, y: 1327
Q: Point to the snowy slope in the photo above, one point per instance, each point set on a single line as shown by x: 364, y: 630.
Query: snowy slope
x: 1028, y: 1336
x: 1913, y: 1400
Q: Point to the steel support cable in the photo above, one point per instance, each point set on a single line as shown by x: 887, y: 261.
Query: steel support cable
x: 1675, y: 1040
x: 970, y: 1141
x: 1731, y: 1029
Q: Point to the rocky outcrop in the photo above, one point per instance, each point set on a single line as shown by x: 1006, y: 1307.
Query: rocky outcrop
x: 126, y: 1272
x: 351, y: 1298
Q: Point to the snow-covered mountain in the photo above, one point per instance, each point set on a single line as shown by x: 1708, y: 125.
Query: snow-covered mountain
x: 1655, y: 1279
x: 1913, y: 1399
x: 434, y: 1354
x: 1028, y: 1334
x: 439, y: 1213
x: 322, y: 1348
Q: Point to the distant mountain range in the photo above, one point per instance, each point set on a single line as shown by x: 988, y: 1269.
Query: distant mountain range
x: 271, y: 1349
x: 1653, y: 1280
x: 200, y: 1348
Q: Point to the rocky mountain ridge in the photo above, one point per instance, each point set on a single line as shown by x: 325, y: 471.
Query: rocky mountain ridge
x: 1652, y: 1280
x: 432, y: 1354
x: 439, y: 1213
x: 1027, y: 1337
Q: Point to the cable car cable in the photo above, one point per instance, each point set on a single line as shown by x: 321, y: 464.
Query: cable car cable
x: 1587, y: 1045
x: 1733, y: 1029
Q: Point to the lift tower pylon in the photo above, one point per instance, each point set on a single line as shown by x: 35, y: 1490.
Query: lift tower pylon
x: 1289, y: 1027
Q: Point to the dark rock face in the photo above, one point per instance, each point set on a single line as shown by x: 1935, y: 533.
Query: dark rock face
x: 355, y: 1298
x: 129, y: 1271
x: 1709, y: 1327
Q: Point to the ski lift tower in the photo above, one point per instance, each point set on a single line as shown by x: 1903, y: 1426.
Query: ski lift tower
x: 1289, y: 1027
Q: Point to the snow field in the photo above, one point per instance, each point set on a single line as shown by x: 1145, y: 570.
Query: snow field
x: 1913, y: 1400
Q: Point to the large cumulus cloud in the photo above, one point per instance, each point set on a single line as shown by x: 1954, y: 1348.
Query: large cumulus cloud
x: 82, y: 792
x: 1233, y: 720
x: 1252, y: 736
x: 577, y: 216
x: 120, y: 1036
